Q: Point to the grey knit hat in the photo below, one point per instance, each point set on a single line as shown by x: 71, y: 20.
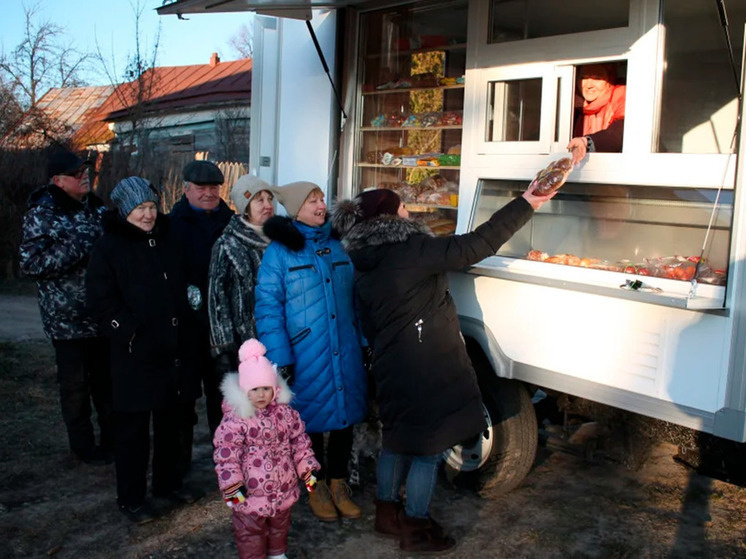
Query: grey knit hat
x: 131, y: 192
x: 294, y: 194
x: 245, y: 188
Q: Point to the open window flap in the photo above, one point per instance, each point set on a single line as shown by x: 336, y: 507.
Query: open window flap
x: 295, y: 9
x: 292, y: 13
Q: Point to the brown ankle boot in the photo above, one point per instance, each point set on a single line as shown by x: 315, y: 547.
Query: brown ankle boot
x: 422, y: 535
x: 387, y: 521
x: 321, y: 503
x: 341, y: 496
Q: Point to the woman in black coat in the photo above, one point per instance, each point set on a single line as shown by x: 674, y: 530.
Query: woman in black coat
x: 137, y: 291
x: 426, y: 389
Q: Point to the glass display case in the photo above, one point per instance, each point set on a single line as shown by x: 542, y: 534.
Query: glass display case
x: 653, y: 234
x: 411, y: 100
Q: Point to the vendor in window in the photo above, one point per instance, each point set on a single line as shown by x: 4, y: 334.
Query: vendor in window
x: 599, y: 125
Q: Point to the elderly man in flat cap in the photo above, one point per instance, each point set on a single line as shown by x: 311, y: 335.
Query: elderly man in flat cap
x: 198, y: 220
x: 59, y: 229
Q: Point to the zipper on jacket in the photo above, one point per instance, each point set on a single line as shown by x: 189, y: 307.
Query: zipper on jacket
x: 418, y: 324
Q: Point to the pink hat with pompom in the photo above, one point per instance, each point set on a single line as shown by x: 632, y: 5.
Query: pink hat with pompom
x: 255, y: 369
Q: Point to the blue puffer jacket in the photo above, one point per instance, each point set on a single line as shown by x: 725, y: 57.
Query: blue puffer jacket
x: 305, y: 315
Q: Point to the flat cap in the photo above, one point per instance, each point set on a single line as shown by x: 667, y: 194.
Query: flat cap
x: 203, y: 172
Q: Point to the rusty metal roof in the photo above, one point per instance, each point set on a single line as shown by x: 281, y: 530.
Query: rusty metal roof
x: 63, y: 111
x: 181, y: 87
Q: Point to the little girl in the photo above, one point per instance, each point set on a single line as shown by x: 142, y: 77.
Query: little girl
x: 261, y: 448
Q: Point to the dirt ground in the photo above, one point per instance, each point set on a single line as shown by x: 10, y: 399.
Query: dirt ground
x: 568, y: 506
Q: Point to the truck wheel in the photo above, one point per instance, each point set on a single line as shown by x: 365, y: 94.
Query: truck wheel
x: 502, y: 456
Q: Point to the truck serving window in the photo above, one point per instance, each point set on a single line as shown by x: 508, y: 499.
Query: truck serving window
x: 599, y: 105
x: 642, y: 230
x: 516, y: 20
x: 699, y: 92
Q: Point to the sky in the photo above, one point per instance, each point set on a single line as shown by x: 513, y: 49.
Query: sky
x: 111, y: 23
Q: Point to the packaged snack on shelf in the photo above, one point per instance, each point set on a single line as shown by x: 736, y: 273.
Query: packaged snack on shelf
x: 449, y: 160
x: 451, y: 118
x: 672, y: 267
x: 413, y: 121
x: 390, y: 120
x: 391, y: 159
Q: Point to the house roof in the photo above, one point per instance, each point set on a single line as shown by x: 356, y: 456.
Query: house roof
x: 177, y: 87
x: 67, y: 110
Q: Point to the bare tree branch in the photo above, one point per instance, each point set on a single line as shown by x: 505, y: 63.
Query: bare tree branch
x: 242, y: 42
x: 41, y: 60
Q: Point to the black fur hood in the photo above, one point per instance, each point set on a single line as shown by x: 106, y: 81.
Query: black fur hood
x: 293, y: 234
x: 281, y: 229
x: 381, y: 230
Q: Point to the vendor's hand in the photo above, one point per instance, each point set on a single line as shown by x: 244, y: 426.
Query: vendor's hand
x: 288, y: 373
x: 579, y: 147
x: 536, y: 200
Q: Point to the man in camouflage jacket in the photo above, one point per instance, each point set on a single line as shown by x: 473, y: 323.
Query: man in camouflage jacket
x: 59, y: 229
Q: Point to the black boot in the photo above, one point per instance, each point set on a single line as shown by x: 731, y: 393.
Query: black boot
x: 422, y: 535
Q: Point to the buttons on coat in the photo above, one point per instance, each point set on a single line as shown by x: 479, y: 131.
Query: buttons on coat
x: 174, y: 321
x: 177, y: 362
x: 114, y: 324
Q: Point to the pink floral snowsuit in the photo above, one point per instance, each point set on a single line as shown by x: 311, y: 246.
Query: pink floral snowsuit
x: 266, y: 451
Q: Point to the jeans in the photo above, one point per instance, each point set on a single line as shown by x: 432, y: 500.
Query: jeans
x: 84, y: 376
x: 421, y: 472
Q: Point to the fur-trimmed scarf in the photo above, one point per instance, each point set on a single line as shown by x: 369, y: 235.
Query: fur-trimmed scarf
x: 381, y: 230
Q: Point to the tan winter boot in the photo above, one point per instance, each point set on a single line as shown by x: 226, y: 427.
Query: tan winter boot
x: 341, y: 496
x: 321, y: 503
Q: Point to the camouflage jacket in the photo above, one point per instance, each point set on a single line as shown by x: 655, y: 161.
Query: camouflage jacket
x: 58, y: 233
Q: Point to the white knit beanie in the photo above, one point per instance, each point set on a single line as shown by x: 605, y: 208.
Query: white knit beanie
x: 244, y: 189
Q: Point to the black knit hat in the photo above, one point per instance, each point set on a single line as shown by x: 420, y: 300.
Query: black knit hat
x: 380, y: 201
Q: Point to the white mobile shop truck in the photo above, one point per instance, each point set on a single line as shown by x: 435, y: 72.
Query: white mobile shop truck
x: 627, y: 288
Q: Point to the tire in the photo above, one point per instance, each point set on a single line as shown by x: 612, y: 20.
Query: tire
x: 504, y: 454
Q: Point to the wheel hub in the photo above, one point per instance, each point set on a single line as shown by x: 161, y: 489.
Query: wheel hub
x: 472, y: 457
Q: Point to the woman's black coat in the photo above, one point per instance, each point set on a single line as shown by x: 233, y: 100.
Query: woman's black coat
x: 426, y: 388
x: 137, y: 291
